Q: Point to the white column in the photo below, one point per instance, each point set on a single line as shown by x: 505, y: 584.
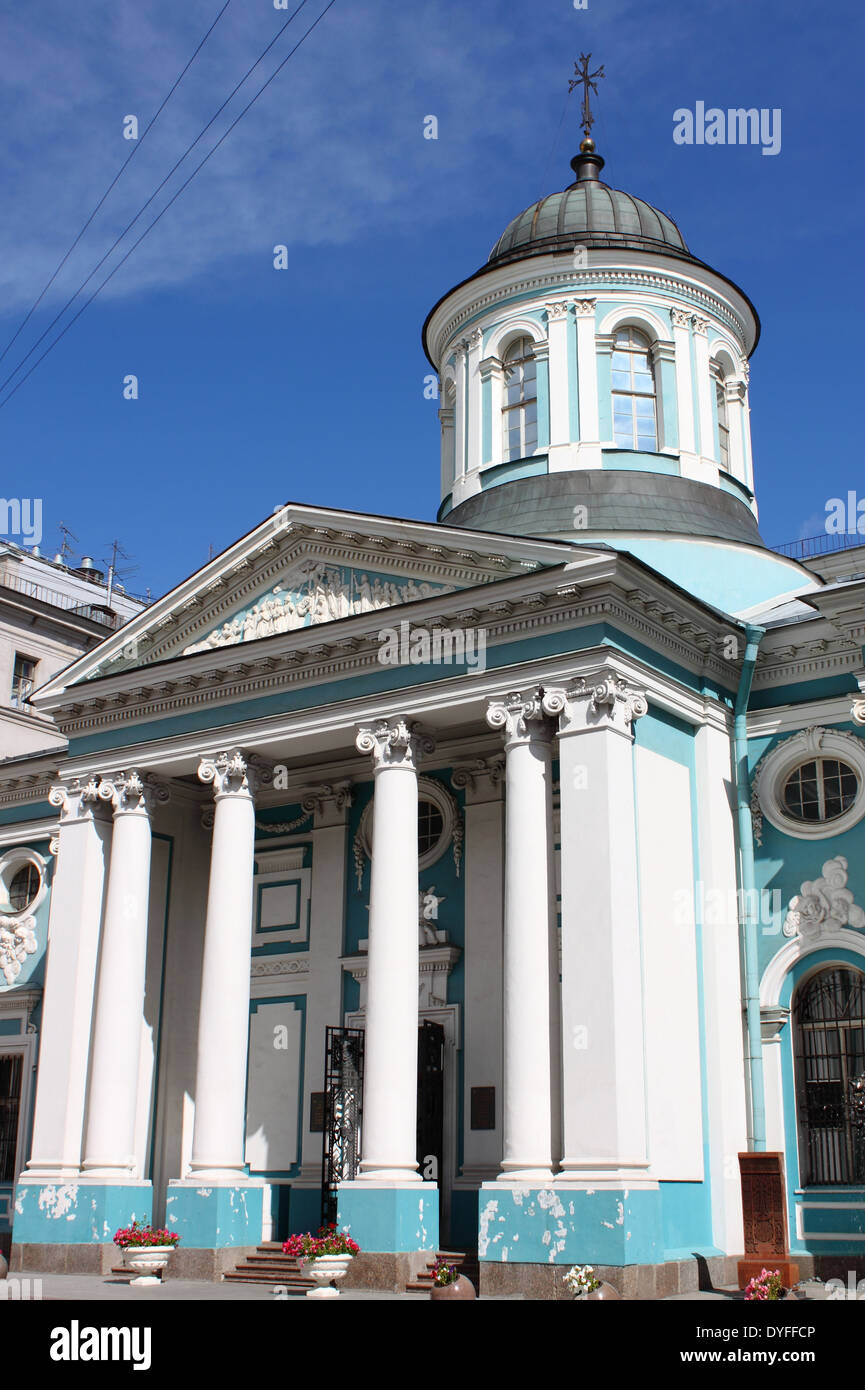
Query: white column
x: 603, y: 1065
x: 528, y: 938
x: 562, y: 449
x: 492, y: 370
x: 734, y: 394
x: 475, y: 437
x: 110, y: 1139
x: 389, y: 1138
x: 705, y: 387
x: 460, y: 417
x: 587, y: 383
x: 746, y: 431
x: 483, y: 781
x: 446, y: 418
x: 223, y: 1024
x: 685, y: 392
x: 722, y: 980
x: 773, y: 1022
x: 75, y: 919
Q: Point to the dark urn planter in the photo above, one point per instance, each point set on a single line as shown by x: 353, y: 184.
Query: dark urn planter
x: 460, y: 1288
x: 605, y: 1291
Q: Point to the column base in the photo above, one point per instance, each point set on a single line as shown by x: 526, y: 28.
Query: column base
x: 78, y: 1211
x: 562, y: 1225
x: 390, y: 1219
x: 215, y: 1215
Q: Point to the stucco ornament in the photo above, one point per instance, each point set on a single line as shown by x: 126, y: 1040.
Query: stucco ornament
x: 824, y: 906
x: 17, y: 942
x: 858, y: 711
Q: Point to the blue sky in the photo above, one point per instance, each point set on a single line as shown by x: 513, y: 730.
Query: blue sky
x: 258, y: 386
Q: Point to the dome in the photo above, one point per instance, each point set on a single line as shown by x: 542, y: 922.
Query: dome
x: 591, y: 214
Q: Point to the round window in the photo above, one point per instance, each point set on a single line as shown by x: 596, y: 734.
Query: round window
x: 820, y: 790
x: 23, y: 887
x: 430, y: 827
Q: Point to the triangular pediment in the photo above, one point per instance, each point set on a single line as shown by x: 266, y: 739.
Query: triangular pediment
x: 306, y: 567
x: 314, y: 591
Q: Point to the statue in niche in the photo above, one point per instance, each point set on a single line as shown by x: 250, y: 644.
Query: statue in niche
x: 428, y: 915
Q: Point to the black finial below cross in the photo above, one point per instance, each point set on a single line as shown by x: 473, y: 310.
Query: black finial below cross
x: 585, y: 79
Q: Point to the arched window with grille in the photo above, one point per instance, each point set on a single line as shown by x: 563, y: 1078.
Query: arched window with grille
x: 829, y: 1043
x: 520, y: 409
x: 633, y: 381
x: 723, y: 425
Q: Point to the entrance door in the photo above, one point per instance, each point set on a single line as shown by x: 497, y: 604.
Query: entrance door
x: 430, y: 1101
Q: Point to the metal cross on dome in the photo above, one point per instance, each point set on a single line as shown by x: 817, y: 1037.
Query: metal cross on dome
x: 585, y: 79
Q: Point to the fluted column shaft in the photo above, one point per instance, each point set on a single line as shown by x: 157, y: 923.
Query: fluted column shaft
x: 389, y: 1139
x: 223, y: 1024
x: 110, y: 1137
x: 528, y: 939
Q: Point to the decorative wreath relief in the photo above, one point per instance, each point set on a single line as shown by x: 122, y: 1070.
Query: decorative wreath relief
x: 17, y: 942
x: 826, y: 905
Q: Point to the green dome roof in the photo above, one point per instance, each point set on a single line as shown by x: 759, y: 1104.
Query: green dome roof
x: 592, y: 214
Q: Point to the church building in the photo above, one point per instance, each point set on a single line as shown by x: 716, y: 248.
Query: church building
x: 491, y: 882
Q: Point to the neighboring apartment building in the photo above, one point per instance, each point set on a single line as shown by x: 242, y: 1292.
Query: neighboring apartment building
x: 49, y: 615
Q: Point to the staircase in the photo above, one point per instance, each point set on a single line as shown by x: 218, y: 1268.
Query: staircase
x: 466, y: 1262
x: 269, y: 1266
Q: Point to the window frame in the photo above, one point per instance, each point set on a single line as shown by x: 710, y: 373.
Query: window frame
x: 634, y: 394
x: 15, y: 698
x: 526, y: 450
x: 773, y: 771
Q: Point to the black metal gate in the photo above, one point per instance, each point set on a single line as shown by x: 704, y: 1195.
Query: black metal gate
x: 829, y: 1020
x: 343, y: 1083
x: 430, y: 1100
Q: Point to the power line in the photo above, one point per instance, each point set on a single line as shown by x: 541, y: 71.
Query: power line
x: 146, y: 205
x: 132, y: 153
x: 173, y: 199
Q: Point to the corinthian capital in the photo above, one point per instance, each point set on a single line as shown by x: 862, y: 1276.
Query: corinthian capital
x: 77, y: 799
x: 130, y: 793
x: 603, y: 700
x: 681, y: 318
x: 230, y: 774
x: 519, y: 718
x: 394, y: 743
x: 331, y: 800
x: 585, y: 308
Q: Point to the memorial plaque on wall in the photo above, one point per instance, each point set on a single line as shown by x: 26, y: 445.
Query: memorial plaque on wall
x: 763, y: 1206
x: 316, y: 1112
x: 764, y: 1216
x: 483, y: 1107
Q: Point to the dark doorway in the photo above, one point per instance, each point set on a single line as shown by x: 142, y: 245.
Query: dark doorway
x: 430, y: 1101
x: 10, y: 1102
x: 343, y: 1084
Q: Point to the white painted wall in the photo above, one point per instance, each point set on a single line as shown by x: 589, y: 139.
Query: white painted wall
x: 666, y: 873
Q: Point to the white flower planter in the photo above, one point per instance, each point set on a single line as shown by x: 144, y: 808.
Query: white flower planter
x: 147, y: 1262
x: 326, y: 1270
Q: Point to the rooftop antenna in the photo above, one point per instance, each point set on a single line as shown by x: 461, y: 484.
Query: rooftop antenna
x: 113, y: 571
x: 65, y: 546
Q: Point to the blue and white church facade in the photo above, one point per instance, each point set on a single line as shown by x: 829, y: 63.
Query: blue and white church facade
x: 562, y: 793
